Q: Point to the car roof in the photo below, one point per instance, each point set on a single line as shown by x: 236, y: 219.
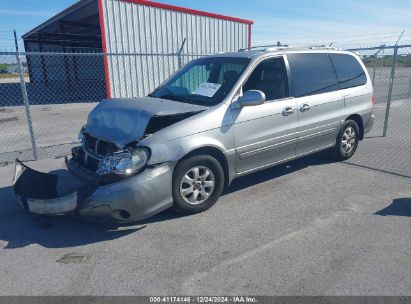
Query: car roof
x: 257, y: 52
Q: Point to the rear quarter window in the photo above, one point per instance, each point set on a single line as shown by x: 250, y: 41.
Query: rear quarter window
x: 349, y: 71
x: 312, y: 73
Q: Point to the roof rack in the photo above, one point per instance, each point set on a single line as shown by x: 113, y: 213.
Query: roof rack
x: 263, y: 47
x: 276, y: 47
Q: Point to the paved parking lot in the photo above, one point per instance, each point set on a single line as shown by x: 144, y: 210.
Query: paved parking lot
x: 310, y: 227
x: 55, y: 126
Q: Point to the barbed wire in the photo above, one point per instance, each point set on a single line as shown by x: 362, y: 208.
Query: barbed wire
x: 77, y: 41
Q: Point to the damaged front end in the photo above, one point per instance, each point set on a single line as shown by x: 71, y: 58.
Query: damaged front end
x: 109, y: 176
x: 101, y: 183
x: 79, y: 191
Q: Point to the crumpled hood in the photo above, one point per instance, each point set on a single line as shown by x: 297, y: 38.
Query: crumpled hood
x: 122, y: 121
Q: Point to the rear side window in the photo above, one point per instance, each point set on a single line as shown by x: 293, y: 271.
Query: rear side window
x: 312, y: 74
x: 349, y: 71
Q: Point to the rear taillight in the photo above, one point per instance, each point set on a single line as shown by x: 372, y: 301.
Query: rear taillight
x: 373, y: 102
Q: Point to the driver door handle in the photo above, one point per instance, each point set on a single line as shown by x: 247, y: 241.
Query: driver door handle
x: 305, y: 107
x: 287, y: 111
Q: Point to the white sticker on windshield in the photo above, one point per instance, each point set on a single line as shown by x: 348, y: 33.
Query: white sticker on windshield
x: 207, y: 89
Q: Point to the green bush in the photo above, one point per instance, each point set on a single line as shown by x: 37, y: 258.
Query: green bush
x: 3, y: 68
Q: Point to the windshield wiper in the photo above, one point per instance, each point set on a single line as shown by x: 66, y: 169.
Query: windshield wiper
x: 184, y: 99
x: 177, y: 98
x: 170, y: 96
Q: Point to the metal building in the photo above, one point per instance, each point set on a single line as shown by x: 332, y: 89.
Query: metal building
x: 143, y: 41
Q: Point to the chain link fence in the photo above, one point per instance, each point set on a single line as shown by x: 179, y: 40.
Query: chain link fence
x: 41, y: 112
x: 390, y: 70
x: 45, y: 98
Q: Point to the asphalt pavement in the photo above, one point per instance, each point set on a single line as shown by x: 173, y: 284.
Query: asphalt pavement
x: 310, y: 227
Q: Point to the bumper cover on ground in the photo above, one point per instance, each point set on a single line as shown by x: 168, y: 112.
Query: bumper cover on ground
x: 129, y: 199
x: 38, y: 192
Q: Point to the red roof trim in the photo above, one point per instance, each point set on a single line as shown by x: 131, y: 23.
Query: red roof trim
x: 189, y: 11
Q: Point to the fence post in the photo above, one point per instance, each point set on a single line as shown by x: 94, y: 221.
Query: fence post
x: 180, y: 54
x: 409, y: 89
x: 382, y: 46
x: 387, y: 112
x: 375, y: 66
x: 25, y: 100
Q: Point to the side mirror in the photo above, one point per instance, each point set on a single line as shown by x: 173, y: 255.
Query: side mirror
x: 251, y: 98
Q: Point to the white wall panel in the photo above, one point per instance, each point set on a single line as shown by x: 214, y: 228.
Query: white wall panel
x: 140, y: 33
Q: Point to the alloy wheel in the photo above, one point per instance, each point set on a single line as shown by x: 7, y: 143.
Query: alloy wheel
x: 197, y: 185
x: 348, y: 139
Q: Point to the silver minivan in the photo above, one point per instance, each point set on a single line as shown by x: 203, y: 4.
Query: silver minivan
x: 216, y: 119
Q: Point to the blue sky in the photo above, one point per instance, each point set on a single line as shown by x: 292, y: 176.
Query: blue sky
x: 350, y: 22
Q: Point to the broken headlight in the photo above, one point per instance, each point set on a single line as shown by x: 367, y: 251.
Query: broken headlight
x: 124, y: 162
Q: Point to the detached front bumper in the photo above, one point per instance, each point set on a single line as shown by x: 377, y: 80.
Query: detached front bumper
x: 42, y: 193
x: 129, y: 199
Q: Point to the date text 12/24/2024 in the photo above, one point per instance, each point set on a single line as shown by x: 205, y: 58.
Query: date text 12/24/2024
x: 205, y: 299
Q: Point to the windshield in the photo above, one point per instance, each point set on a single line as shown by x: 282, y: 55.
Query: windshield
x: 205, y: 81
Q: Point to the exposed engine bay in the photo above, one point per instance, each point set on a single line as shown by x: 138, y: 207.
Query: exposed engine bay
x: 113, y: 131
x: 104, y: 171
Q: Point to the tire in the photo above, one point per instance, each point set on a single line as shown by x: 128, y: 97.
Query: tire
x: 349, y: 132
x: 193, y: 195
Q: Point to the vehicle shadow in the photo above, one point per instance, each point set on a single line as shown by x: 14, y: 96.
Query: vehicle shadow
x: 279, y: 170
x: 252, y: 180
x: 398, y: 207
x: 19, y: 228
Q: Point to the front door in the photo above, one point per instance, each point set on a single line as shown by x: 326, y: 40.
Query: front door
x: 266, y: 134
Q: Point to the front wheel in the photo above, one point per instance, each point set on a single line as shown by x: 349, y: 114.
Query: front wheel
x: 198, y: 182
x: 347, y: 141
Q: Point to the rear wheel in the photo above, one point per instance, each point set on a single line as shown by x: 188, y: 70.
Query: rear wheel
x: 347, y: 141
x: 198, y: 182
